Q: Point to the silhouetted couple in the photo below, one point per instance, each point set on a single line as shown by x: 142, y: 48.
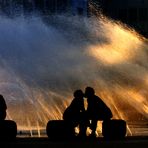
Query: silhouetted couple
x: 96, y: 110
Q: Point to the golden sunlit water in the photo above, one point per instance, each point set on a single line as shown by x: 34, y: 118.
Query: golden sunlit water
x: 42, y: 64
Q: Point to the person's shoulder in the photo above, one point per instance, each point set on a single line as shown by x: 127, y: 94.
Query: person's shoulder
x: 97, y: 97
x: 74, y: 101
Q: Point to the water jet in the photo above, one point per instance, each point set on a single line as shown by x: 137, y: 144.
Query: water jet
x: 42, y: 63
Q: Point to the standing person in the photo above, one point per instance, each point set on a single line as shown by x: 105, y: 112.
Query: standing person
x: 75, y: 113
x: 3, y: 108
x: 96, y: 110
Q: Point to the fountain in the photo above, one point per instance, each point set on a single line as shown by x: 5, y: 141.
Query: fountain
x: 42, y: 63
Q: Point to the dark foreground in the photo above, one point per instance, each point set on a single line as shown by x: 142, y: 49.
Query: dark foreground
x: 128, y: 142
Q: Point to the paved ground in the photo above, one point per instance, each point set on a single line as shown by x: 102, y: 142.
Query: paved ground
x: 128, y: 142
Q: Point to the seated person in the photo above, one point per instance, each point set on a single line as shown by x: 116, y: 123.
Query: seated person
x: 96, y: 110
x: 75, y: 113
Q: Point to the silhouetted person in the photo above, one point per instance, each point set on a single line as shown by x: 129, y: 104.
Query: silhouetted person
x: 96, y: 110
x: 3, y: 108
x: 8, y: 128
x: 75, y: 113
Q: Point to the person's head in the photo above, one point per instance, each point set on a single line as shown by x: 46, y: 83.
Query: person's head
x: 78, y: 94
x: 89, y: 91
